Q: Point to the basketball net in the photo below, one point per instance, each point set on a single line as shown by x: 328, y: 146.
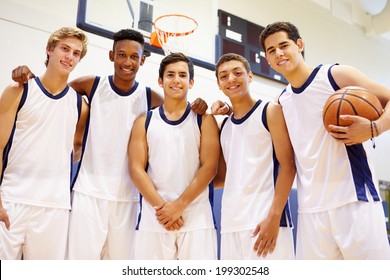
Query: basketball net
x: 172, y: 32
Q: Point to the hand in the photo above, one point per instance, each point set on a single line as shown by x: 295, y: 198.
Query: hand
x: 176, y: 225
x: 199, y: 106
x: 4, y: 217
x: 168, y: 213
x: 220, y: 108
x: 356, y: 133
x: 22, y: 74
x: 267, y: 233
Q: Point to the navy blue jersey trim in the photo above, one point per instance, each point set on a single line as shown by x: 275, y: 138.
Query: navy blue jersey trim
x: 308, y: 81
x: 118, y: 91
x: 331, y: 79
x: 199, y: 121
x: 361, y: 172
x: 148, y: 118
x: 247, y: 115
x: 264, y: 116
x: 149, y: 97
x: 177, y: 122
x: 94, y: 87
x: 48, y: 94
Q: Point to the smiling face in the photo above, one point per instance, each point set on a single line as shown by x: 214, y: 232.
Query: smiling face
x: 127, y: 57
x: 233, y: 78
x: 282, y: 53
x: 65, y: 55
x: 176, y: 80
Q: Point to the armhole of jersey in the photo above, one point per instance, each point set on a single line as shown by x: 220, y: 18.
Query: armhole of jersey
x: 199, y: 121
x: 224, y: 122
x: 24, y: 96
x: 331, y: 79
x: 149, y: 97
x: 264, y: 116
x: 93, y: 90
x: 147, y: 121
x: 79, y: 105
x: 283, y: 91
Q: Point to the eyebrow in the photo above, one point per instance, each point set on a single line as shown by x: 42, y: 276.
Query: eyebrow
x: 280, y: 44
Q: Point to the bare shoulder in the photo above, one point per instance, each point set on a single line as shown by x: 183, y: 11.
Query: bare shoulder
x: 13, y: 91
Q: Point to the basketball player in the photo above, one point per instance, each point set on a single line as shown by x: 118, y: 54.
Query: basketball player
x: 340, y: 213
x: 104, y: 208
x: 259, y: 164
x: 174, y: 156
x: 37, y: 135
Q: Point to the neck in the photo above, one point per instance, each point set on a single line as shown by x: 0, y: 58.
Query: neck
x: 123, y: 85
x: 174, y: 110
x: 54, y: 83
x: 242, y: 106
x: 299, y: 76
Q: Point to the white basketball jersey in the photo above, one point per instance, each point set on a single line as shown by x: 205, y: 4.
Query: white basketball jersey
x: 172, y: 164
x: 38, y: 157
x: 329, y: 173
x: 104, y: 168
x: 251, y: 171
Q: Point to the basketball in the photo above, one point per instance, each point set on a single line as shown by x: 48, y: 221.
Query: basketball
x: 351, y: 101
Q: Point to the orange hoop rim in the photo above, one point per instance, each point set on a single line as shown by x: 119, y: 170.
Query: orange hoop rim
x: 175, y: 34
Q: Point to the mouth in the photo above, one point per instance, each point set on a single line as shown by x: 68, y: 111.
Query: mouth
x: 233, y: 87
x: 127, y: 70
x: 66, y: 64
x: 283, y: 62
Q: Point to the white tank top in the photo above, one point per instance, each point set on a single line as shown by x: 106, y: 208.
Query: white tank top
x: 329, y: 173
x: 172, y: 164
x: 104, y: 167
x: 38, y: 157
x: 251, y: 171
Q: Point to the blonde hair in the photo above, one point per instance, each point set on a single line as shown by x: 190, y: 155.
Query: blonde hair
x: 63, y: 33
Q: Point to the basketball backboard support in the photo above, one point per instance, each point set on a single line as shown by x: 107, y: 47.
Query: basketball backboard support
x: 105, y: 17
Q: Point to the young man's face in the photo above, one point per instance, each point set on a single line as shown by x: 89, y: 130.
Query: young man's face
x: 66, y: 54
x: 127, y: 57
x: 233, y: 78
x: 176, y: 80
x: 282, y: 53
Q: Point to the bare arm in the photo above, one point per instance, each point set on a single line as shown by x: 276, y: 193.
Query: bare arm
x: 9, y: 103
x: 268, y: 229
x: 80, y: 131
x: 219, y: 179
x: 360, y: 130
x: 209, y: 157
x: 83, y: 85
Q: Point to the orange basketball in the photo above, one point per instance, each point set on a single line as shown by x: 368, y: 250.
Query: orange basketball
x: 351, y: 101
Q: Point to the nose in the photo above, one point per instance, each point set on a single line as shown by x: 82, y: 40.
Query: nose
x: 232, y: 77
x: 279, y: 52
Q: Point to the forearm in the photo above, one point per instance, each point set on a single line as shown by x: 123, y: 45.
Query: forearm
x: 383, y: 123
x: 200, y: 182
x: 146, y: 187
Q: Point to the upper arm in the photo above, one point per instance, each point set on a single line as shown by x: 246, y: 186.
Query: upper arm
x: 210, y: 148
x: 156, y: 99
x: 345, y: 75
x: 83, y: 85
x: 138, y: 147
x: 9, y: 103
x: 82, y: 123
x: 279, y: 134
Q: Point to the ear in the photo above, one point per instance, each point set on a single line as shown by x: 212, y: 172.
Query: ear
x: 250, y: 74
x: 160, y: 82
x: 143, y: 58
x: 300, y: 44
x: 191, y: 83
x: 111, y: 55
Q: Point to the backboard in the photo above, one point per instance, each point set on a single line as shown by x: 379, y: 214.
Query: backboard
x: 104, y: 17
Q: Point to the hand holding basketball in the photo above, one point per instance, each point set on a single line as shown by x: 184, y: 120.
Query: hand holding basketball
x: 350, y: 101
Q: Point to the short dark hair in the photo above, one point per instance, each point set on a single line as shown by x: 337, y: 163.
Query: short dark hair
x: 229, y: 57
x: 173, y: 58
x: 128, y: 34
x: 291, y: 30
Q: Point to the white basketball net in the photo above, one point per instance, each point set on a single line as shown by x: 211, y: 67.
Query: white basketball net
x: 173, y: 31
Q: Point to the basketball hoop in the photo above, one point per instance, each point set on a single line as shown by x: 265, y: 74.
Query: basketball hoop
x: 171, y: 31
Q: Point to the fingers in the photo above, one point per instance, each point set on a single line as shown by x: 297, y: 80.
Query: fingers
x: 6, y: 221
x: 199, y: 106
x: 21, y: 74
